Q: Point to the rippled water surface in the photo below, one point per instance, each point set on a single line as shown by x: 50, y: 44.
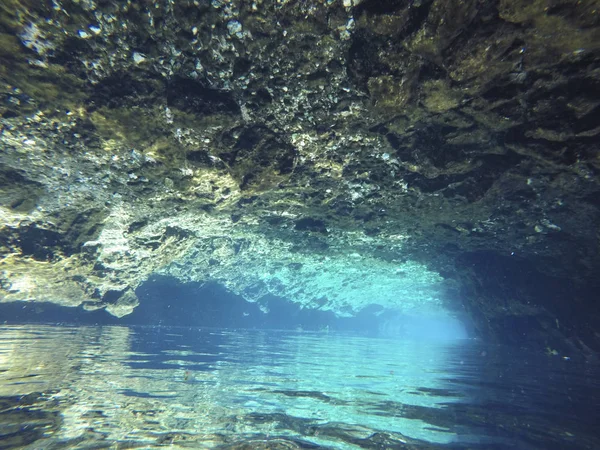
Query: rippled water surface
x: 122, y: 387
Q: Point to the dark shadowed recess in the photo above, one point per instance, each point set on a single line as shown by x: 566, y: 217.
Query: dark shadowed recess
x: 167, y: 302
x: 51, y: 313
x: 516, y: 304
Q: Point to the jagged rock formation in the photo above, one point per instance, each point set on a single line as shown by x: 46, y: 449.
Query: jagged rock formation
x: 333, y: 152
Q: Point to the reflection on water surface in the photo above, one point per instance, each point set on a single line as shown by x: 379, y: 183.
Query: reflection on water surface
x: 120, y: 387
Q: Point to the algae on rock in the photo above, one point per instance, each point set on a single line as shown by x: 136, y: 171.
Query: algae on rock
x: 252, y: 144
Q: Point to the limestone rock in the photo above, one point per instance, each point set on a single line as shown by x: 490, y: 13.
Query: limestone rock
x: 252, y: 142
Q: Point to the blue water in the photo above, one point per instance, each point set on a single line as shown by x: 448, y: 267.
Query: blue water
x: 124, y: 387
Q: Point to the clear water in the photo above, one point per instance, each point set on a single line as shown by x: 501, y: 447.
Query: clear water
x: 123, y: 387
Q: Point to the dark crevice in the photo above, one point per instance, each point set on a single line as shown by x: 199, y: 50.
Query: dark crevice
x: 39, y: 243
x: 376, y: 7
x: 310, y: 224
x: 193, y: 96
x: 123, y: 90
x: 471, y: 185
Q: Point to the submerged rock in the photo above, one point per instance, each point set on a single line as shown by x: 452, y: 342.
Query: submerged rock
x: 335, y: 153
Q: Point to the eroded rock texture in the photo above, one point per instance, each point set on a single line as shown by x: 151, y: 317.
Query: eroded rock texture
x: 338, y: 153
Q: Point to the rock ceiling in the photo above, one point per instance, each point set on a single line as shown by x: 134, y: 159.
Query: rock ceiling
x: 336, y: 153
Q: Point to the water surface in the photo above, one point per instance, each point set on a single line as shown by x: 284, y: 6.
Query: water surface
x: 125, y: 387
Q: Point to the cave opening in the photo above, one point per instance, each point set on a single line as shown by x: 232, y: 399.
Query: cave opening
x: 167, y: 302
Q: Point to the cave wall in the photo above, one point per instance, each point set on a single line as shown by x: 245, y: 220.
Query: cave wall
x: 138, y: 138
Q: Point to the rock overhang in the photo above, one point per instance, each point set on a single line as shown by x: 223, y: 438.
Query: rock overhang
x: 187, y: 138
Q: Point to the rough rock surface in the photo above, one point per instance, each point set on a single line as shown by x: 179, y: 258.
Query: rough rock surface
x: 338, y: 153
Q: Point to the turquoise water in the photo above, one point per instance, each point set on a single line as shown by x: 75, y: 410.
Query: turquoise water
x: 124, y: 387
